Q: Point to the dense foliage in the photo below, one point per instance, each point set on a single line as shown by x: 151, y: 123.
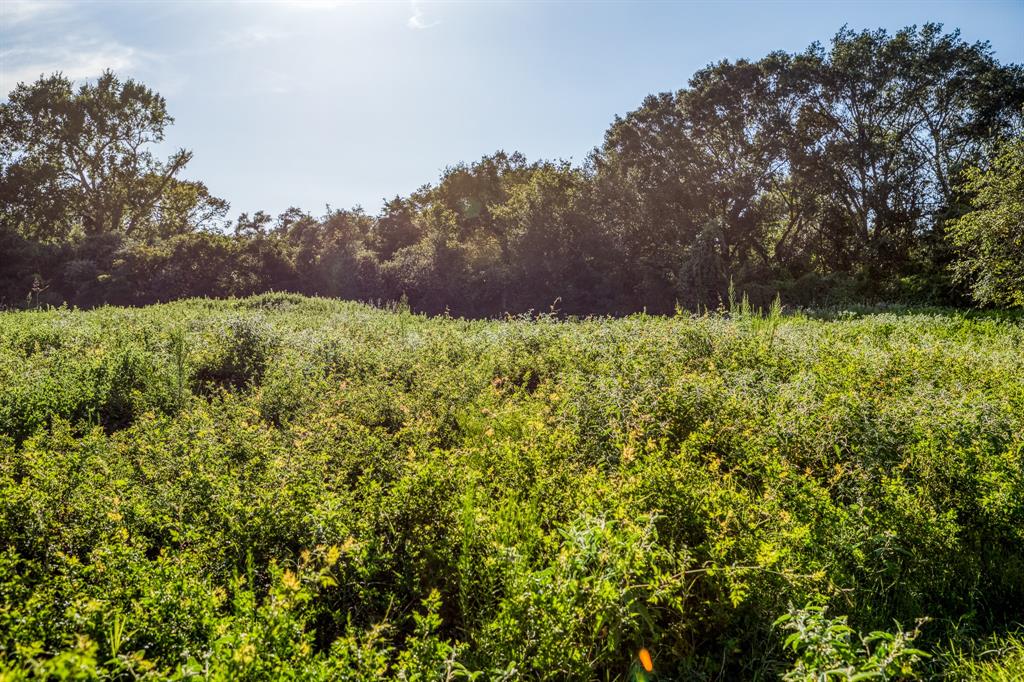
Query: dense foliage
x: 826, y: 175
x: 80, y: 160
x: 292, y: 488
x: 991, y: 237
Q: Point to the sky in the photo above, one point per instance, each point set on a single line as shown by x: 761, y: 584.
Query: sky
x: 315, y: 103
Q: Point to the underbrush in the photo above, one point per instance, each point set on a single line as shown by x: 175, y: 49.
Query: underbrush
x: 281, y: 487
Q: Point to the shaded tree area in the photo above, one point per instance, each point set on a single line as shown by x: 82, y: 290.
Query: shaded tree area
x: 989, y: 239
x: 829, y: 175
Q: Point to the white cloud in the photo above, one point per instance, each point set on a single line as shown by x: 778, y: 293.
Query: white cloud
x: 417, y: 20
x: 77, y: 62
x: 275, y: 83
x: 311, y: 4
x: 20, y: 11
x: 41, y: 37
x: 251, y: 35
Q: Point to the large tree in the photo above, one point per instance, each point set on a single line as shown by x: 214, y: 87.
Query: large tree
x: 887, y: 121
x: 835, y: 160
x: 82, y: 160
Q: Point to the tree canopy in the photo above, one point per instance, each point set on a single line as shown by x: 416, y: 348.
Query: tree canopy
x: 82, y: 160
x: 831, y: 173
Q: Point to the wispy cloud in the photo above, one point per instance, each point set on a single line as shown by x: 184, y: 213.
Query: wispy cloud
x: 76, y: 61
x: 251, y: 36
x: 274, y: 83
x: 417, y: 20
x: 311, y: 4
x: 42, y: 37
x: 20, y: 11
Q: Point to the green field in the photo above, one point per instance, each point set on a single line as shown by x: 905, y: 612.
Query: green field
x: 290, y: 488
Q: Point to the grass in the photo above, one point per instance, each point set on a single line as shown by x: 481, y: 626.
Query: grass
x: 284, y: 487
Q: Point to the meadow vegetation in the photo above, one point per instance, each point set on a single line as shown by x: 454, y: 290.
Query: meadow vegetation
x: 297, y: 488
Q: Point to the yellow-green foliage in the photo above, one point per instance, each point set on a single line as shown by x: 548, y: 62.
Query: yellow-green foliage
x: 1000, y: 659
x: 284, y: 487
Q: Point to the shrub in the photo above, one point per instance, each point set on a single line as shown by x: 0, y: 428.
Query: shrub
x: 989, y: 240
x: 356, y: 493
x: 828, y: 649
x: 238, y: 355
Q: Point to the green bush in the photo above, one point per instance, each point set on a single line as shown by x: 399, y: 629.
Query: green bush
x: 826, y: 649
x: 237, y: 356
x: 989, y: 241
x: 291, y: 487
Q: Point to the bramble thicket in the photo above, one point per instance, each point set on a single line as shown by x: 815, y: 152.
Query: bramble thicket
x: 287, y: 487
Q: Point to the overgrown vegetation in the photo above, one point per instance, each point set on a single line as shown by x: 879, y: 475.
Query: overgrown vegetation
x: 990, y: 238
x: 283, y: 487
x: 826, y: 176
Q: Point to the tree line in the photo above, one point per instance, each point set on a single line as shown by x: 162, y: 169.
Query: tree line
x: 879, y: 167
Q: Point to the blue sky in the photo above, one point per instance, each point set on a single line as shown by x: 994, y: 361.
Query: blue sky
x: 342, y: 103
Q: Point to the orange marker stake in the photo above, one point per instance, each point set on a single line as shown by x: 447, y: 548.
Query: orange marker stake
x: 645, y: 660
